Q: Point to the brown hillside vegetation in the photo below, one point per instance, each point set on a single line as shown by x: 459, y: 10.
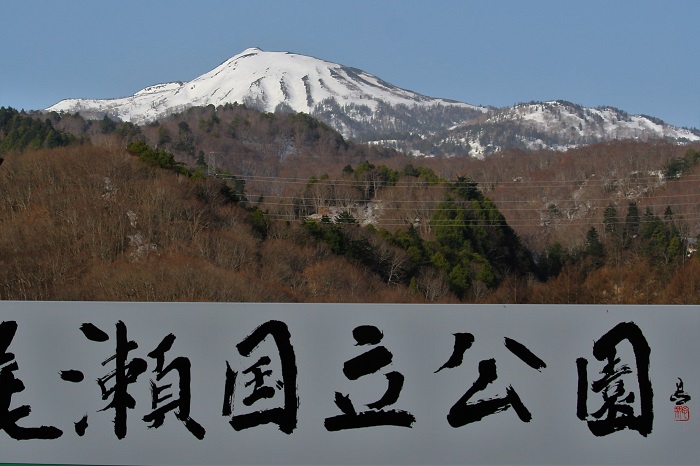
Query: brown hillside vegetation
x: 295, y: 166
x: 86, y: 223
x: 95, y: 223
x: 550, y: 219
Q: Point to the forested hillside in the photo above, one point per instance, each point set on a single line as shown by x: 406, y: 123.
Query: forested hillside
x: 129, y: 213
x: 20, y: 131
x: 98, y: 224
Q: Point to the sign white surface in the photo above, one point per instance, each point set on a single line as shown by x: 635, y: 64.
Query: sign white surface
x: 517, y: 384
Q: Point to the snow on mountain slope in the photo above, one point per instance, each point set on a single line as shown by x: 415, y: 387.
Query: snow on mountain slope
x: 555, y: 125
x: 366, y: 108
x: 266, y: 81
x: 572, y: 121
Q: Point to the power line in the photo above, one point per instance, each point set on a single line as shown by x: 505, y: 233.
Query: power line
x: 508, y: 207
x: 441, y: 184
x: 330, y: 201
x: 583, y: 222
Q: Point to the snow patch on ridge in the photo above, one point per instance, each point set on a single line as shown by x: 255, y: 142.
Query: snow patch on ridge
x: 165, y: 87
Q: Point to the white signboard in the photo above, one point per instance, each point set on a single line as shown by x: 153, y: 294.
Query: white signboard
x: 193, y: 383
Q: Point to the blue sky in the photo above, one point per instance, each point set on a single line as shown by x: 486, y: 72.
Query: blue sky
x: 641, y: 56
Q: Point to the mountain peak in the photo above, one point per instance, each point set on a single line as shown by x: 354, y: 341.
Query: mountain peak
x: 363, y: 106
x: 266, y: 81
x: 247, y: 52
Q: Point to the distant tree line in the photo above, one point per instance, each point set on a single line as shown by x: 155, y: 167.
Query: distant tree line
x: 19, y: 132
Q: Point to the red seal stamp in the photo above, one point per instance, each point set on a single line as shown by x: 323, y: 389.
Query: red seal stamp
x: 682, y: 413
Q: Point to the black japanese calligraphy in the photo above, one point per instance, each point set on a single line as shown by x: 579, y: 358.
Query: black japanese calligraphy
x: 81, y: 426
x: 182, y: 366
x: 613, y: 391
x: 527, y: 356
x: 680, y: 397
x: 367, y: 363
x: 463, y: 341
x: 72, y: 376
x: 125, y: 373
x: 285, y: 416
x: 618, y: 408
x: 463, y: 412
x: 9, y: 385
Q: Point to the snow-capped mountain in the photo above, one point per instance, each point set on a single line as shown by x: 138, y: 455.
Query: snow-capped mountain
x: 362, y: 106
x: 350, y: 99
x: 555, y: 125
